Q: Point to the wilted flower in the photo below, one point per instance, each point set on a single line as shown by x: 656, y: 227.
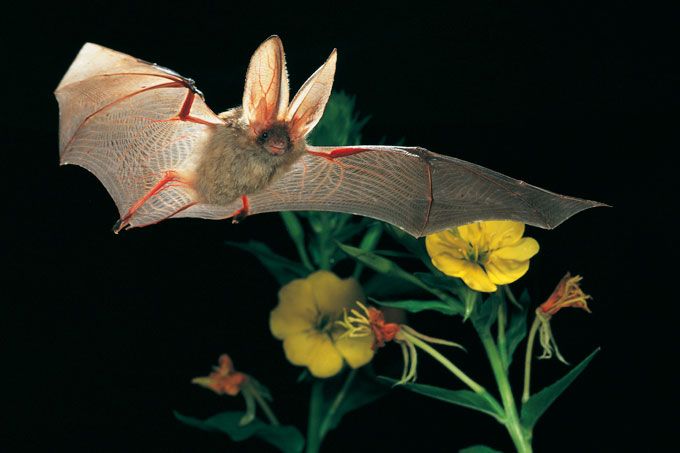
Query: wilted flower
x: 305, y: 319
x: 568, y: 293
x: 483, y: 254
x: 224, y: 379
x: 371, y: 324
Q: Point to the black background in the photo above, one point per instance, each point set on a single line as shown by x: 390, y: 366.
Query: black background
x: 102, y: 333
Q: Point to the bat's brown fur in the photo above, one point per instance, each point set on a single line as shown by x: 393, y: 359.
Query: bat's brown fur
x: 237, y: 162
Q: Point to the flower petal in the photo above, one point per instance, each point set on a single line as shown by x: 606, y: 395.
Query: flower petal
x: 523, y: 250
x: 333, y: 294
x: 315, y: 351
x: 450, y: 265
x: 296, y: 311
x: 356, y: 351
x: 472, y: 233
x: 503, y: 272
x: 446, y: 241
x: 475, y: 277
x: 501, y: 233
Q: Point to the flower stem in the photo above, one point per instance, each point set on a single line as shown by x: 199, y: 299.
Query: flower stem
x: 313, y: 423
x: 519, y: 436
x: 474, y: 386
x: 527, y: 359
x: 501, y: 335
x: 325, y: 424
x: 263, y: 404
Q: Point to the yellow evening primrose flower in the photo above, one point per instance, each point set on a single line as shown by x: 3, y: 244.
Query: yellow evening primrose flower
x: 305, y: 319
x: 483, y: 254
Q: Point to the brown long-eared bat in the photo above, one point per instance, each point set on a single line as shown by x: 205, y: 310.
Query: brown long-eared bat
x: 147, y: 134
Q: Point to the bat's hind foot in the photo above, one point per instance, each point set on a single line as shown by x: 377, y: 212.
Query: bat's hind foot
x: 242, y: 213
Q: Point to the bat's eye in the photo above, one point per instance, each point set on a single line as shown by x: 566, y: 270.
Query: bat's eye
x: 263, y: 136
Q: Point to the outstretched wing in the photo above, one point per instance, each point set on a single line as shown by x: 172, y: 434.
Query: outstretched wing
x: 417, y: 190
x: 138, y: 127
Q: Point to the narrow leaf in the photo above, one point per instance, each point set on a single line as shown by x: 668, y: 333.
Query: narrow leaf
x: 413, y: 245
x: 541, y: 401
x: 517, y: 327
x: 465, y: 398
x: 382, y: 265
x: 283, y: 269
x: 381, y: 285
x: 286, y: 438
x: 451, y: 284
x: 363, y: 390
x: 415, y: 306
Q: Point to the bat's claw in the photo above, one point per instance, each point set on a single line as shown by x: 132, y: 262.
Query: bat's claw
x: 119, y: 225
x: 238, y: 217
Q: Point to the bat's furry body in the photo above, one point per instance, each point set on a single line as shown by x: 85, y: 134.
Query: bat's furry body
x: 147, y: 134
x: 235, y: 163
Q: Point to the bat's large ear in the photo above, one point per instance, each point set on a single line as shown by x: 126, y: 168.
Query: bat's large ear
x: 306, y: 108
x: 265, y: 97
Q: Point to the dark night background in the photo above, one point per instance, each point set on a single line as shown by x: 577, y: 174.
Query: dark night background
x: 102, y: 333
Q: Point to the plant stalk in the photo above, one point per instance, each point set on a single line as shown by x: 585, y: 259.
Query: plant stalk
x: 474, y: 386
x: 502, y: 346
x: 519, y: 436
x: 339, y: 398
x: 313, y: 423
x: 527, y: 359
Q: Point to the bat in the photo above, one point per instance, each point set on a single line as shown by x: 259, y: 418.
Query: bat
x: 147, y: 134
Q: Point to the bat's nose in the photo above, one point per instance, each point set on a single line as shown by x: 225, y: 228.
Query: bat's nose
x: 278, y: 147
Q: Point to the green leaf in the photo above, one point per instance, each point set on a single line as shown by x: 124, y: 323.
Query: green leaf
x: 363, y: 389
x: 297, y: 234
x: 414, y: 245
x: 340, y: 125
x: 381, y: 285
x: 283, y: 269
x: 415, y: 306
x: 517, y: 327
x: 286, y: 438
x: 444, y: 282
x: 478, y: 449
x: 533, y: 409
x: 465, y: 398
x: 484, y: 311
x: 382, y: 265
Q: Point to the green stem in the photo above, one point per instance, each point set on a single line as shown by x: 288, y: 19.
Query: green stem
x: 248, y: 387
x: 315, y: 402
x: 501, y: 335
x: 527, y: 359
x: 297, y: 234
x: 339, y: 398
x: 519, y: 436
x: 474, y: 386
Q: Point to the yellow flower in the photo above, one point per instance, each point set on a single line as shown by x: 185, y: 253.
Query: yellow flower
x: 483, y: 254
x: 305, y: 319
